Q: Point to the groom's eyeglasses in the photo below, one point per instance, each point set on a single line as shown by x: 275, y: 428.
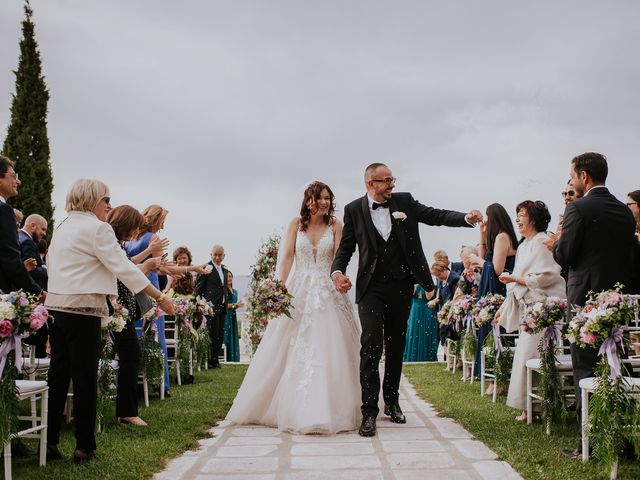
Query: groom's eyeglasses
x: 388, y: 180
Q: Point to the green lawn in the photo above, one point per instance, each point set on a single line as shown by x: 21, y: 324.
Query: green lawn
x: 126, y: 452
x: 526, y: 447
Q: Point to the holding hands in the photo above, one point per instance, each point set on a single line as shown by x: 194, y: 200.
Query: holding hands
x: 341, y: 282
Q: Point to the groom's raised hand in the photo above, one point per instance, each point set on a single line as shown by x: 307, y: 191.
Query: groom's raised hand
x: 341, y: 282
x: 473, y: 217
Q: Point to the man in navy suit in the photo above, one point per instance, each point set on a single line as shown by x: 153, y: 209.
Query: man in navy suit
x: 595, y: 247
x: 213, y: 287
x: 34, y: 230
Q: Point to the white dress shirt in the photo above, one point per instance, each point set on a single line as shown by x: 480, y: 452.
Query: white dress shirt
x: 381, y: 218
x: 220, y: 272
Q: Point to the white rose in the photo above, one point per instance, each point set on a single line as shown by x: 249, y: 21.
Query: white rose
x: 7, y: 311
x: 118, y: 324
x: 538, y: 307
x: 104, y: 322
x: 399, y: 216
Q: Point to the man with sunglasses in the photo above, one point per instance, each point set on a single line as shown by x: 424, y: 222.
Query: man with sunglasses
x: 384, y: 227
x: 569, y: 194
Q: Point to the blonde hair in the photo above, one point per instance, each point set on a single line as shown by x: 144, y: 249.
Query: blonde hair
x: 153, y: 215
x: 85, y: 194
x: 468, y: 250
x: 439, y: 267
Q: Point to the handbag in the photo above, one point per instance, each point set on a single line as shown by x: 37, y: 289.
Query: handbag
x: 144, y: 301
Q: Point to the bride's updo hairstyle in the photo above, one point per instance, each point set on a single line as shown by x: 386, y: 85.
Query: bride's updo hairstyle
x: 313, y: 192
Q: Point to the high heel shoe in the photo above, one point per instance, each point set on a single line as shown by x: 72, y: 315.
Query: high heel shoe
x: 137, y: 421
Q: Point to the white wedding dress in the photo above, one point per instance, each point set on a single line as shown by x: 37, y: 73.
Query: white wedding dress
x: 304, y: 377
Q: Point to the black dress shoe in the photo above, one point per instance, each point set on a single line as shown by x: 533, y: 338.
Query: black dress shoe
x: 368, y: 427
x: 19, y: 449
x: 80, y: 456
x: 395, y: 413
x: 53, y: 453
x: 577, y: 453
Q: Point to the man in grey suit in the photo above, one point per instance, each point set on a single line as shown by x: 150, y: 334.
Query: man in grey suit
x: 595, y: 248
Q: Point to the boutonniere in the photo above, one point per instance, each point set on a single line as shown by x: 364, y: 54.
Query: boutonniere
x: 399, y: 216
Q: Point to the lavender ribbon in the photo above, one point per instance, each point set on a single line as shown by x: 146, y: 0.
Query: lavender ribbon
x: 609, y: 346
x: 552, y: 336
x: 497, y: 344
x: 11, y: 343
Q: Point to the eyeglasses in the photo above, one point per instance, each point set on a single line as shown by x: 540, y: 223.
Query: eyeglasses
x: 107, y: 200
x: 13, y: 174
x: 569, y: 193
x: 631, y: 203
x: 388, y: 180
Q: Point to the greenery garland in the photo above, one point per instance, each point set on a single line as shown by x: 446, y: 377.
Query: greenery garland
x: 152, y: 364
x: 202, y: 347
x: 614, y: 419
x: 552, y: 405
x: 9, y: 404
x: 106, y: 381
x: 468, y: 344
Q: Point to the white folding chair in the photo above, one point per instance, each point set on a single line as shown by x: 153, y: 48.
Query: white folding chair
x: 28, y: 389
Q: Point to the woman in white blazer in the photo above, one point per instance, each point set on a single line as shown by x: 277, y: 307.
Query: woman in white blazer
x: 84, y: 263
x: 535, y: 276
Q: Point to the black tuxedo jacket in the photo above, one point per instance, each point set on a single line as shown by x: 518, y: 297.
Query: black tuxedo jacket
x: 212, y: 289
x: 595, y: 245
x: 359, y: 231
x: 29, y: 249
x: 13, y: 274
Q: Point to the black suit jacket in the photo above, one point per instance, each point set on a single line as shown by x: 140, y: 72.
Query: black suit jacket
x: 359, y: 231
x: 212, y: 289
x: 448, y: 288
x: 596, y: 244
x: 13, y: 274
x: 29, y: 249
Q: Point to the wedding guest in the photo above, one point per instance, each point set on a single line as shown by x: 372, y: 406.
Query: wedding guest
x: 35, y: 228
x: 154, y: 217
x: 422, y: 329
x: 596, y: 220
x: 13, y: 271
x: 569, y: 193
x: 535, y: 276
x: 496, y: 254
x: 84, y: 262
x: 633, y: 202
x: 442, y: 256
x: 231, y: 322
x: 126, y: 221
x: 213, y: 287
x: 19, y: 217
x: 183, y: 283
x: 470, y: 277
x: 447, y: 284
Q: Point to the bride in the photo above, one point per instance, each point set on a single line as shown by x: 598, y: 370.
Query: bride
x: 304, y: 376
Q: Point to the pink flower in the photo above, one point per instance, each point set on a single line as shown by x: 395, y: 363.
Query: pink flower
x: 37, y: 320
x: 6, y: 328
x: 588, y: 338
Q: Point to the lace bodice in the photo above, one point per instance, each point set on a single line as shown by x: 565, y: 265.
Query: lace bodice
x: 314, y: 258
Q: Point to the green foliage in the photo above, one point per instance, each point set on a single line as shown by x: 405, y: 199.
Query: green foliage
x: 8, y: 400
x: 614, y: 418
x: 550, y: 386
x: 27, y: 142
x: 106, y: 383
x: 203, y: 345
x: 152, y: 360
x: 468, y: 343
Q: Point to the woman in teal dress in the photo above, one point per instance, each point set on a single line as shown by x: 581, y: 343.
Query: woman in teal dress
x: 231, y: 324
x: 422, y: 330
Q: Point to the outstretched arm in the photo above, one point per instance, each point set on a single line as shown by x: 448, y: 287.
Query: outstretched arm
x: 288, y: 250
x: 436, y: 216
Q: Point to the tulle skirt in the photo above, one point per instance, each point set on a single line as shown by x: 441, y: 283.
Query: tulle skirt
x: 304, y: 377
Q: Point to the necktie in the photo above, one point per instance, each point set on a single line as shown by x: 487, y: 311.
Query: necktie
x: 380, y: 205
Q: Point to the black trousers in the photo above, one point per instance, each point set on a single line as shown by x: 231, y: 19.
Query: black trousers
x: 383, y: 310
x: 75, y: 350
x: 215, y: 324
x: 127, y: 347
x: 584, y: 361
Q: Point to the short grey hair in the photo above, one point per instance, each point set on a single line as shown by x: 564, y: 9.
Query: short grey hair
x: 468, y: 250
x: 85, y: 194
x: 371, y: 169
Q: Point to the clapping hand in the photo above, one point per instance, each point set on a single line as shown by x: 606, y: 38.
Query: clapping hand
x: 158, y: 245
x: 473, y: 217
x: 30, y: 264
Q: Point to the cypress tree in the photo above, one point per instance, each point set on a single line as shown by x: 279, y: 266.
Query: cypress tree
x: 27, y: 143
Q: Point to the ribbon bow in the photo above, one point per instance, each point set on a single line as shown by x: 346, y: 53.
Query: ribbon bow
x: 609, y: 347
x: 496, y: 340
x: 552, y: 336
x: 376, y: 205
x: 13, y: 342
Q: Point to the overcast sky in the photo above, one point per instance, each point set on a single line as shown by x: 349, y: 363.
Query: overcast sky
x: 222, y: 111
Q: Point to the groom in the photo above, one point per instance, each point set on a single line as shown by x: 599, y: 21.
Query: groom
x: 384, y: 226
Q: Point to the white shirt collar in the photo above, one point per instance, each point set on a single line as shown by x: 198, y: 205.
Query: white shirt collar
x: 3, y: 199
x: 593, y: 188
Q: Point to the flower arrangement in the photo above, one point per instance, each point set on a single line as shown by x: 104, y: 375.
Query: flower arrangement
x: 118, y: 319
x: 20, y: 316
x: 485, y: 309
x: 462, y: 311
x: 614, y: 418
x: 444, y: 317
x: 469, y: 281
x: 545, y: 317
x: 269, y: 297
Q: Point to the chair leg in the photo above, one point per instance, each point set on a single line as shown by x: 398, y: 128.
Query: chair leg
x: 529, y: 397
x: 482, y: 370
x: 473, y: 367
x: 145, y: 389
x: 585, y: 419
x: 162, y: 385
x: 177, y: 364
x: 44, y: 421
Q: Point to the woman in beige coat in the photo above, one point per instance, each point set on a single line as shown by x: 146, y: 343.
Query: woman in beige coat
x: 84, y: 263
x: 535, y: 276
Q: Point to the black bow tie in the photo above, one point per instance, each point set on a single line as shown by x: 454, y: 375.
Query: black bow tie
x: 380, y: 205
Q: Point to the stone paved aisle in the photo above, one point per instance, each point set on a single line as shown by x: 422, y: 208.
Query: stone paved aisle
x: 426, y: 447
